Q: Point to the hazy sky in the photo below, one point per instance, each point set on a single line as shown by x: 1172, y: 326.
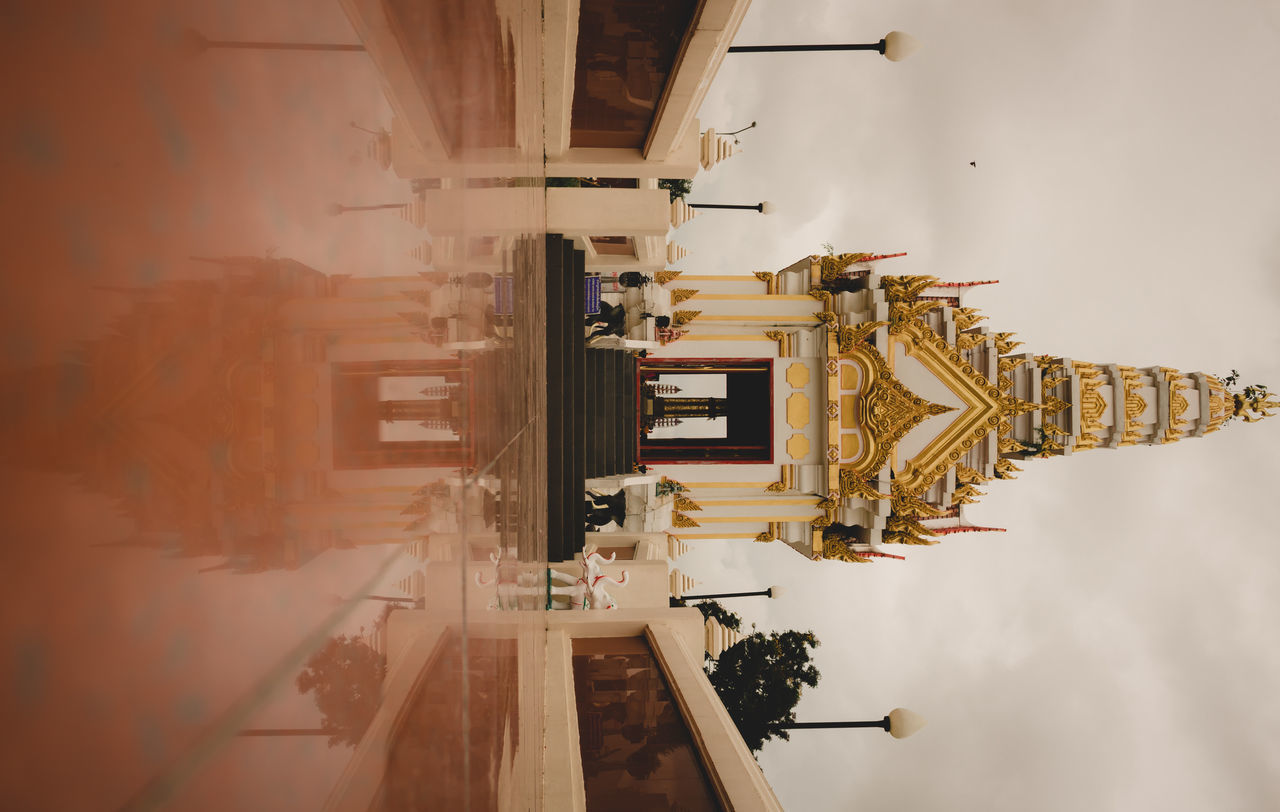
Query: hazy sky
x: 1112, y: 649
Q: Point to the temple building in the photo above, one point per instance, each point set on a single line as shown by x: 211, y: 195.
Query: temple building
x: 840, y: 410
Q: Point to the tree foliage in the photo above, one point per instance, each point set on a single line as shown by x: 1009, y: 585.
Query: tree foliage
x: 346, y: 676
x: 759, y: 680
x: 676, y: 187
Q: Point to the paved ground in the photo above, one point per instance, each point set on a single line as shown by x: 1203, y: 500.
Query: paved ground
x: 170, y: 568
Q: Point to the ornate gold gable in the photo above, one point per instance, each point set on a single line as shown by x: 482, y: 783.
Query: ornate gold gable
x: 983, y: 401
x: 886, y: 409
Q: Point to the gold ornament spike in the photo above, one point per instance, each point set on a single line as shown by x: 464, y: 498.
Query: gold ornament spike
x: 853, y: 485
x: 770, y: 280
x: 906, y: 288
x: 905, y: 503
x: 1052, y: 405
x: 1050, y: 445
x: 837, y: 550
x: 1006, y: 467
x: 968, y: 475
x: 1004, y: 343
x: 1052, y: 383
x: 1004, y: 383
x: 967, y: 341
x: 827, y: 504
x: 776, y: 487
x: 682, y: 295
x: 960, y: 499
x: 828, y: 319
x: 966, y: 317
x: 1008, y: 445
x: 833, y: 265
x: 681, y: 317
x: 663, y: 277
x: 901, y: 314
x: 1012, y: 406
x: 1054, y: 430
x: 904, y: 538
x: 820, y: 522
x: 683, y: 502
x: 766, y: 536
x: 681, y: 520
x: 969, y: 491
x: 906, y: 524
x: 822, y: 295
x: 850, y: 337
x: 1010, y: 364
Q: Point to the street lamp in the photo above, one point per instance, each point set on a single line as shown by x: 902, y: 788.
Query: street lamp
x: 896, y: 46
x: 771, y: 592
x: 764, y: 207
x: 735, y: 132
x: 900, y: 723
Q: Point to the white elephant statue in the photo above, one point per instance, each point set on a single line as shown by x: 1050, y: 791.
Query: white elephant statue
x: 587, y: 591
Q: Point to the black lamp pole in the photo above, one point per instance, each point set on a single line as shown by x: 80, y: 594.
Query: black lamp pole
x: 757, y: 207
x: 878, y: 47
x: 883, y: 724
x: 768, y: 593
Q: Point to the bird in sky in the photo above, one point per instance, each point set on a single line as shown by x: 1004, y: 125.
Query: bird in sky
x: 973, y: 164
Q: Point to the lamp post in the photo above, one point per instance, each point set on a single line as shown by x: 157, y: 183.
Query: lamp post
x: 764, y: 207
x: 900, y: 723
x: 771, y: 592
x: 735, y: 132
x: 896, y: 46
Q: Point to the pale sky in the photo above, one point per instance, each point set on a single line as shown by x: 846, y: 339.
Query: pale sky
x: 1112, y: 649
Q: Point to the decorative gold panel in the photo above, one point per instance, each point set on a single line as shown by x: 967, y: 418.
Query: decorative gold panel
x: 798, y: 446
x: 848, y: 376
x: 849, y: 445
x: 798, y: 410
x: 848, y: 412
x: 797, y: 375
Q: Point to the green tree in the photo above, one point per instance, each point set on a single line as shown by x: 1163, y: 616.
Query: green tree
x: 759, y: 680
x: 346, y: 676
x: 676, y: 187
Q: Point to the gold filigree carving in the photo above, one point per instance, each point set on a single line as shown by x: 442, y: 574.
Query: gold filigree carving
x: 967, y: 341
x: 681, y: 520
x: 835, y: 549
x: 1052, y: 405
x: 683, y: 502
x: 853, y: 485
x: 905, y: 503
x: 981, y: 410
x: 828, y: 319
x: 906, y: 288
x: 966, y: 474
x: 833, y: 265
x: 1010, y: 364
x: 663, y: 277
x: 1004, y: 342
x: 822, y: 295
x: 682, y: 295
x: 852, y: 336
x: 1006, y: 468
x: 681, y: 317
x: 908, y: 525
x: 820, y: 522
x: 766, y: 536
x: 888, y: 409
